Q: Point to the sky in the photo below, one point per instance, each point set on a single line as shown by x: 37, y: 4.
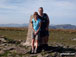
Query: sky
x: 19, y: 11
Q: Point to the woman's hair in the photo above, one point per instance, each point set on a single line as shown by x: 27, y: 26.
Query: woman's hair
x: 35, y: 14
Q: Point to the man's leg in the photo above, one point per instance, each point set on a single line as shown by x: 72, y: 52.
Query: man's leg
x: 45, y: 45
x: 43, y: 38
x: 46, y: 39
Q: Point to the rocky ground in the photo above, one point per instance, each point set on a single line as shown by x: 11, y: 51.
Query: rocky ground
x: 14, y: 48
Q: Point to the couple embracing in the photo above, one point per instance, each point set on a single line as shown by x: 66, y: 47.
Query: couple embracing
x: 40, y: 24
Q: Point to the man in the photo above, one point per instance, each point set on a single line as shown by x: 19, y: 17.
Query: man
x: 44, y: 33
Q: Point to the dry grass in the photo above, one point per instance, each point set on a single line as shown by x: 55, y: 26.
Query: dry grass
x: 56, y: 35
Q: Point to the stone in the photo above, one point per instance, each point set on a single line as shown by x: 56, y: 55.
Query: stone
x: 9, y: 55
x: 12, y: 51
x: 18, y: 56
x: 39, y: 55
x: 56, y: 54
x: 1, y: 52
x: 75, y: 54
x: 20, y: 50
x: 29, y: 34
x: 9, y: 48
x: 2, y: 40
x: 33, y: 55
x: 74, y: 39
x: 2, y: 36
x: 47, y: 55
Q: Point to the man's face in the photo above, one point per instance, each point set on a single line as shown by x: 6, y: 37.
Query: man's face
x: 40, y: 11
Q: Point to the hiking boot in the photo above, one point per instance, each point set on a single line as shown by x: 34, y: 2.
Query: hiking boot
x: 35, y: 51
x: 32, y: 51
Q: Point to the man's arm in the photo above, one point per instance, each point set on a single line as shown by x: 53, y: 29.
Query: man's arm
x: 48, y: 21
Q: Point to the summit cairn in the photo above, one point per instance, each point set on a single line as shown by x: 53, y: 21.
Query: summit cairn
x: 29, y: 34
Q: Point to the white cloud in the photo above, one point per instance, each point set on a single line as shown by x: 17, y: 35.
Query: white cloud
x: 22, y: 9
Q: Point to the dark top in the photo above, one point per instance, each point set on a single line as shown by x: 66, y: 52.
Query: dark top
x: 44, y: 21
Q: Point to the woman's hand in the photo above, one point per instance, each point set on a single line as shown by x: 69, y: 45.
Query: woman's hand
x: 35, y: 33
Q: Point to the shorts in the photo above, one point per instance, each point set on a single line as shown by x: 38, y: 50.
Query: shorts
x: 35, y: 36
x: 44, y: 33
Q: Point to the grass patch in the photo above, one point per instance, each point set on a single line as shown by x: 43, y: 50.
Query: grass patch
x: 55, y: 35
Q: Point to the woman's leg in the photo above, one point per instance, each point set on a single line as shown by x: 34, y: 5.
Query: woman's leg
x: 36, y: 44
x: 36, y: 38
x: 33, y: 40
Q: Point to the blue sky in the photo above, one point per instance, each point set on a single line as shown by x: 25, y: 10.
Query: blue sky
x: 19, y: 11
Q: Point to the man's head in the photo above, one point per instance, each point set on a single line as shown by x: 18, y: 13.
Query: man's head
x: 35, y: 15
x: 40, y: 10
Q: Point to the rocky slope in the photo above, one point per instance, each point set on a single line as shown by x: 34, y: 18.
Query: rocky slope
x: 14, y: 48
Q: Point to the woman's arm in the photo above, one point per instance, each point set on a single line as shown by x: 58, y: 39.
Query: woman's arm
x: 32, y: 27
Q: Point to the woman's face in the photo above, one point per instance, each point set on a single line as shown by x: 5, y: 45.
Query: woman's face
x: 35, y: 16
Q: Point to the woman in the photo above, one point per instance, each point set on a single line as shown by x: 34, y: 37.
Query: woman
x: 36, y: 24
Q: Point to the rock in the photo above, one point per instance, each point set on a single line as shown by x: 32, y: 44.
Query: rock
x: 1, y: 48
x: 2, y: 40
x: 39, y: 55
x: 2, y: 36
x: 33, y: 55
x: 9, y: 55
x: 20, y: 50
x: 72, y: 46
x: 3, y: 44
x: 75, y: 54
x: 74, y: 39
x: 56, y: 54
x: 9, y: 48
x: 29, y: 34
x: 17, y: 56
x: 1, y: 52
x: 12, y: 51
x: 64, y: 46
x: 47, y: 55
x: 59, y: 45
x: 25, y: 56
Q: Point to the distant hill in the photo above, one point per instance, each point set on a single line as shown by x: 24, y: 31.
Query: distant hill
x: 62, y: 26
x: 13, y: 25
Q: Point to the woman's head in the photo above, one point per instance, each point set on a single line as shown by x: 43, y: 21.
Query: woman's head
x: 35, y: 15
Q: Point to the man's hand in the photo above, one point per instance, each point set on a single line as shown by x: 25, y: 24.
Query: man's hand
x: 46, y: 28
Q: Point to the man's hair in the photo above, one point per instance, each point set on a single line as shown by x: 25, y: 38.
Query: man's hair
x: 41, y: 8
